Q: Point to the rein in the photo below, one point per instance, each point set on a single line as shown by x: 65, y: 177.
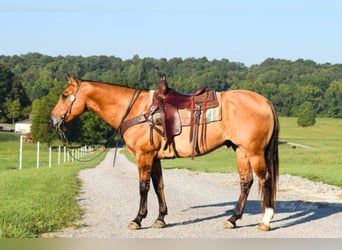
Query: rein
x: 128, y: 110
x: 68, y: 146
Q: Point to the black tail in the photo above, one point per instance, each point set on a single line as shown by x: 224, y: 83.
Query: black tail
x: 272, y: 161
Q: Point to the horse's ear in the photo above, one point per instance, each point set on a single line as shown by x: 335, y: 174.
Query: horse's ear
x: 71, y: 79
x: 74, y: 82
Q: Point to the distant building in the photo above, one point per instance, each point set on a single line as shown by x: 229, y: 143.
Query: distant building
x: 23, y: 127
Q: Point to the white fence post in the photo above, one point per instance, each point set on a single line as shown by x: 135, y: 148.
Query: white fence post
x: 59, y: 155
x: 38, y: 149
x: 21, y: 153
x: 50, y: 149
x: 67, y: 154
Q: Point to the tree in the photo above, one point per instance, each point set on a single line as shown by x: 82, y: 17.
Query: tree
x: 306, y: 115
x: 288, y: 84
x: 40, y: 129
x: 284, y: 99
x: 13, y: 97
x: 91, y: 122
x: 12, y: 109
x: 333, y: 100
x: 6, y: 77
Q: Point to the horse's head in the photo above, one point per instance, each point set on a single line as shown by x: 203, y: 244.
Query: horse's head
x: 70, y: 104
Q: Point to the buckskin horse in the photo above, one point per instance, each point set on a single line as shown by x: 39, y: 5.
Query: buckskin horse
x: 248, y: 124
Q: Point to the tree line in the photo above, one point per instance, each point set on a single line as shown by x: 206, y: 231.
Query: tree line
x: 31, y: 83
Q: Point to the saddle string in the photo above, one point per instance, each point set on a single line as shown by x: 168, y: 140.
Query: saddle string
x: 204, y: 123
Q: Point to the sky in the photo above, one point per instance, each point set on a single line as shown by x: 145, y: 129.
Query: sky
x: 246, y: 31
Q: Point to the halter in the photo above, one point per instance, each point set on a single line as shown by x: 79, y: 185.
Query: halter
x: 68, y: 111
x: 64, y: 139
x: 62, y: 135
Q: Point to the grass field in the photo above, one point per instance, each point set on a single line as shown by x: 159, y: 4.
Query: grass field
x: 35, y: 201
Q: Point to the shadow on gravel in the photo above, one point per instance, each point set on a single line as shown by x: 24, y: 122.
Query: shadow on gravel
x: 298, y: 211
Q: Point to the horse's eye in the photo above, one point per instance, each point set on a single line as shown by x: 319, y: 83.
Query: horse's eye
x: 64, y: 96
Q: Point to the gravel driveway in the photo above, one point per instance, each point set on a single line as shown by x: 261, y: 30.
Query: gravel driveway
x: 198, y: 205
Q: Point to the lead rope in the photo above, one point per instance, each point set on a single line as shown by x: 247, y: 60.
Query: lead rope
x: 66, y: 144
x: 115, y: 152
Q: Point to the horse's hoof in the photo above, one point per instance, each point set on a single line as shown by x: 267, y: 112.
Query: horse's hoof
x: 159, y: 224
x: 134, y: 226
x: 264, y: 227
x: 229, y: 225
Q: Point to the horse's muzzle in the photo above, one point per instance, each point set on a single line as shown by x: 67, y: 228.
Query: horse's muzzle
x: 55, y: 122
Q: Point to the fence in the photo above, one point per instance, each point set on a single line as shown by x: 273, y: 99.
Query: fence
x: 56, y: 155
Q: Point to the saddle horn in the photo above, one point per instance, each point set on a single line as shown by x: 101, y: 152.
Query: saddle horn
x: 162, y: 85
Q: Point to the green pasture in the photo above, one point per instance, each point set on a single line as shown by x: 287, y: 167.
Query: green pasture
x: 321, y: 157
x: 317, y: 154
x: 39, y: 200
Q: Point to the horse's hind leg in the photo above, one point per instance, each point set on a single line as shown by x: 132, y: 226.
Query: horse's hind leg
x: 158, y: 184
x: 246, y: 181
x: 266, y: 190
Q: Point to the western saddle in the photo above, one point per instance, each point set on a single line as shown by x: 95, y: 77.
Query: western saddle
x: 168, y: 101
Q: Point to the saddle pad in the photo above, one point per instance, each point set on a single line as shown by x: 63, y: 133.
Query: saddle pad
x: 150, y: 96
x: 213, y: 114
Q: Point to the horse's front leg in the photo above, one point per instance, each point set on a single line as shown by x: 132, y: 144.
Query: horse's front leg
x: 144, y: 163
x: 158, y: 184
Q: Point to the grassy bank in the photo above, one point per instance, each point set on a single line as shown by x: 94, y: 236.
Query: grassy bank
x: 36, y: 200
